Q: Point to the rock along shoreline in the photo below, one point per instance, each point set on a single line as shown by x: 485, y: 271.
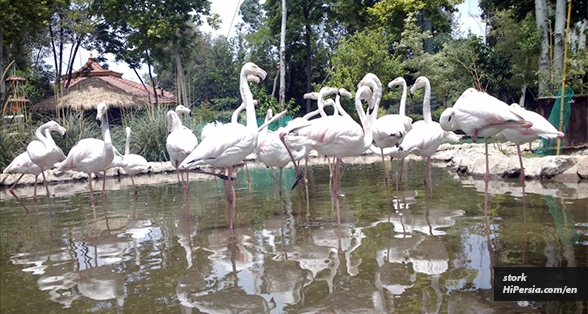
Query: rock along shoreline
x: 464, y: 159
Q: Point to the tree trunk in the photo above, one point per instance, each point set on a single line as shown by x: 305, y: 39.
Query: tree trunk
x: 283, y: 56
x: 543, y: 28
x: 71, y: 60
x: 182, y: 94
x: 559, y: 37
x: 307, y: 39
x: 2, y: 84
x: 581, y: 32
x: 148, y: 60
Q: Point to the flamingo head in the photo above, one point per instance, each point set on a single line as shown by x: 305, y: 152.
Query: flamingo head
x: 399, y: 81
x: 447, y: 120
x: 102, y: 111
x: 54, y: 126
x: 251, y: 68
x: 365, y: 93
x: 346, y: 93
x: 420, y: 82
x: 311, y: 95
x: 184, y: 110
x: 371, y: 80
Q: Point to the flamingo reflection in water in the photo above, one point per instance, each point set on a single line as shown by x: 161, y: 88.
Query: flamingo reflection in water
x: 89, y: 267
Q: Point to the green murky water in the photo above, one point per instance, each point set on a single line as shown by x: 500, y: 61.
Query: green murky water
x: 404, y: 253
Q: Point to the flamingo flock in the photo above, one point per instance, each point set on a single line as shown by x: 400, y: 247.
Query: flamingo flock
x: 224, y: 146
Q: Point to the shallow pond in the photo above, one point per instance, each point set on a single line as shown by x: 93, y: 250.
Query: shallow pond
x: 399, y: 251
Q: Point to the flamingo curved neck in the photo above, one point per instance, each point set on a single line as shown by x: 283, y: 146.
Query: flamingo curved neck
x: 176, y: 123
x: 128, y: 143
x: 427, y: 103
x: 247, y: 98
x: 106, y: 134
x: 366, y: 121
x: 43, y: 133
x: 235, y: 116
x: 402, y: 109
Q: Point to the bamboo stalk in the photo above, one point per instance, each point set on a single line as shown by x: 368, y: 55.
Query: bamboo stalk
x: 563, y: 78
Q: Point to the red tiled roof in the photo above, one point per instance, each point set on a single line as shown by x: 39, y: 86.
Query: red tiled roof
x: 94, y: 69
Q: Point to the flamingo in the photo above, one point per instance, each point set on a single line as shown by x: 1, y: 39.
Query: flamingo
x: 133, y: 163
x: 24, y: 165
x: 272, y: 152
x: 180, y: 142
x: 91, y: 155
x: 426, y: 135
x: 481, y: 115
x: 44, y: 152
x: 541, y: 128
x: 336, y: 136
x: 389, y: 130
x: 231, y: 142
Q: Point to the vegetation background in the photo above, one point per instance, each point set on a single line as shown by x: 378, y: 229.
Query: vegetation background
x: 328, y: 42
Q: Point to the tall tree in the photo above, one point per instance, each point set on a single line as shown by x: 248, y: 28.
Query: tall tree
x: 138, y: 31
x: 21, y: 22
x: 305, y: 18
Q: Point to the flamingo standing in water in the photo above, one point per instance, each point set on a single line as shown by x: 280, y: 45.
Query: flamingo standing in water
x: 92, y: 155
x: 272, y: 152
x: 390, y: 130
x: 336, y: 136
x: 426, y: 135
x: 180, y: 142
x: 44, y: 152
x: 24, y: 165
x: 481, y: 115
x: 231, y: 142
x: 133, y: 163
x: 541, y: 128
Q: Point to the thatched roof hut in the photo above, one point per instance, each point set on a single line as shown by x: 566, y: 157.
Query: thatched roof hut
x: 93, y: 84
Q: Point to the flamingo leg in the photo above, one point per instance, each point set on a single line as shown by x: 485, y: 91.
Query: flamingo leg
x: 522, y: 175
x: 336, y: 185
x: 92, y: 197
x: 430, y: 172
x: 298, y: 175
x: 384, y: 166
x: 46, y: 187
x: 14, y: 194
x: 521, y: 164
x: 134, y: 186
x: 486, y: 178
x: 231, y: 200
x: 280, y: 187
x: 248, y: 177
x: 104, y: 187
x: 178, y: 174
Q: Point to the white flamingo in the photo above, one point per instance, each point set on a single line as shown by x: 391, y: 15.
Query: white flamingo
x: 24, y: 165
x: 541, y: 128
x: 481, y: 115
x: 231, y: 142
x: 92, y: 155
x: 390, y: 130
x: 133, y: 163
x: 336, y: 136
x: 44, y: 152
x: 426, y: 135
x: 180, y: 142
x: 272, y: 152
